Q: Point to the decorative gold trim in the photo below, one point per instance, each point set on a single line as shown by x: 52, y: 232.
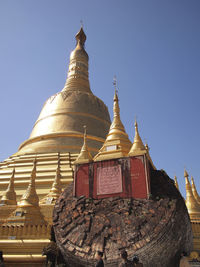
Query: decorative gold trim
x: 63, y: 134
x: 72, y: 113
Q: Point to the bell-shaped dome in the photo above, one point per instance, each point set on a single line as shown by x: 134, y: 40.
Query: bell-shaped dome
x: 59, y: 126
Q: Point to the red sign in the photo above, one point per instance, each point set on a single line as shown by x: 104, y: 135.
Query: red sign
x: 109, y: 180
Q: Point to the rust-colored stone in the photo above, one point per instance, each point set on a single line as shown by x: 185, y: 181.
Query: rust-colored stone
x: 147, y: 228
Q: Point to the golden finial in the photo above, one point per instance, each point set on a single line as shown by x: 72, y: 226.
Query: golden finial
x: 176, y: 182
x: 138, y: 147
x: 116, y: 109
x: 191, y: 203
x: 9, y: 196
x: 194, y: 190
x: 115, y: 86
x: 117, y: 143
x: 30, y: 197
x: 81, y: 37
x: 84, y: 156
x: 185, y: 173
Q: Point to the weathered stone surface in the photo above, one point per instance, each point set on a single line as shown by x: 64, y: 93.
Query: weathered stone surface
x: 156, y: 229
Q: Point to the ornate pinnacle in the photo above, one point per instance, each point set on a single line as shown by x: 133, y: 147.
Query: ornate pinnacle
x: 185, y: 173
x: 30, y: 197
x: 191, y: 203
x: 117, y: 143
x: 9, y: 197
x: 194, y: 190
x: 176, y: 182
x: 56, y: 186
x: 138, y: 147
x: 84, y: 156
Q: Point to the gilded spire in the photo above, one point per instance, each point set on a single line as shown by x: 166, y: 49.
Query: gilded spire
x: 77, y: 79
x: 194, y: 191
x: 30, y: 197
x: 117, y: 143
x: 9, y: 196
x: 56, y: 186
x: 84, y: 156
x: 176, y: 182
x: 191, y: 203
x: 138, y: 147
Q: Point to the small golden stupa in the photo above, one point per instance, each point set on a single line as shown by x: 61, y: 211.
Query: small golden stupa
x: 117, y: 143
x: 84, y: 156
x: 176, y: 182
x: 138, y: 147
x: 9, y: 196
x: 194, y: 191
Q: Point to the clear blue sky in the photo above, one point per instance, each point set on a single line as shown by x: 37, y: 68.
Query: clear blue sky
x: 152, y: 46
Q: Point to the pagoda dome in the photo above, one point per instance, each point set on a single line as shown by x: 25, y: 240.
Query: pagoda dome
x: 59, y: 127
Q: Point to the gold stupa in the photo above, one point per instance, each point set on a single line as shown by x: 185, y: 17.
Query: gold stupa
x: 138, y: 147
x: 9, y: 196
x: 59, y: 126
x: 55, y: 141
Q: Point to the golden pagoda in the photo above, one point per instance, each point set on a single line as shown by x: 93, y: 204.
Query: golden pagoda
x: 28, y: 194
x: 55, y: 141
x: 59, y: 126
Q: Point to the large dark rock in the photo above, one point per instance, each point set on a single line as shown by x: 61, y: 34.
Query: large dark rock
x: 157, y: 230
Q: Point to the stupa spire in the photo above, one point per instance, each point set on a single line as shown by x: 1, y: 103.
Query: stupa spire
x: 84, y: 156
x: 30, y: 197
x: 138, y: 147
x: 9, y: 196
x: 78, y: 67
x: 191, y: 203
x: 117, y: 143
x: 194, y: 191
x: 176, y: 182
